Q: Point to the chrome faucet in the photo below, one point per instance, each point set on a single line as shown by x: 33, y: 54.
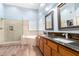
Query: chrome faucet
x: 66, y: 35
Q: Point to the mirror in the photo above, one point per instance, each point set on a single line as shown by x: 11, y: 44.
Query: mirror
x: 49, y: 21
x: 68, y: 15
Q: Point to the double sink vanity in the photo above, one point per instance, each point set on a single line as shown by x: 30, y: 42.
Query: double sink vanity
x: 57, y: 45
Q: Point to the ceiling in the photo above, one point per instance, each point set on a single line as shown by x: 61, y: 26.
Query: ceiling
x: 26, y: 5
x: 33, y: 5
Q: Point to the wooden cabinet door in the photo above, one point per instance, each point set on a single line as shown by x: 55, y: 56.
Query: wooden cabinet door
x: 66, y: 51
x: 47, y: 50
x: 44, y: 41
x: 41, y: 45
x: 52, y: 45
x: 37, y: 41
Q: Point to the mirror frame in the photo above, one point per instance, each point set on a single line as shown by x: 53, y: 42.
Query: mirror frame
x: 50, y: 13
x: 59, y: 20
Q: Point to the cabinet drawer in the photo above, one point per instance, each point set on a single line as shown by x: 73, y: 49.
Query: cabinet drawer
x: 52, y: 45
x: 47, y: 50
x: 66, y: 51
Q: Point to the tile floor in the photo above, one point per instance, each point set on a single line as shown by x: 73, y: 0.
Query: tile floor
x: 18, y: 50
x: 24, y: 47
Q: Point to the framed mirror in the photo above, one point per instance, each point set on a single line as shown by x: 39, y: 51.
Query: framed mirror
x: 49, y: 21
x: 68, y: 15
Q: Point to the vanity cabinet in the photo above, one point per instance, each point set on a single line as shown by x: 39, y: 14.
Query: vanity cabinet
x: 47, y: 47
x: 47, y: 50
x: 51, y: 48
x: 54, y: 47
x: 67, y: 52
x: 37, y: 41
x: 41, y: 44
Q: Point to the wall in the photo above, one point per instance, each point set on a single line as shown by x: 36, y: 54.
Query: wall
x: 43, y: 13
x: 1, y: 10
x: 1, y: 30
x: 14, y: 16
x: 12, y: 13
x: 17, y: 13
x: 1, y: 23
x: 55, y: 19
x: 32, y: 16
x: 16, y: 33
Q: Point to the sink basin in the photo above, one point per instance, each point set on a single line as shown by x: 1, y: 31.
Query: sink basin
x: 75, y: 44
x: 63, y: 40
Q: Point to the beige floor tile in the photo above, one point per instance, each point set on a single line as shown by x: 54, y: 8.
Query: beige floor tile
x: 17, y: 50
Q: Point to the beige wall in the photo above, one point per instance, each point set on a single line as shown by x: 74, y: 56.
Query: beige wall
x: 26, y: 30
x: 25, y: 27
x: 20, y: 28
x: 2, y: 31
x: 17, y: 30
